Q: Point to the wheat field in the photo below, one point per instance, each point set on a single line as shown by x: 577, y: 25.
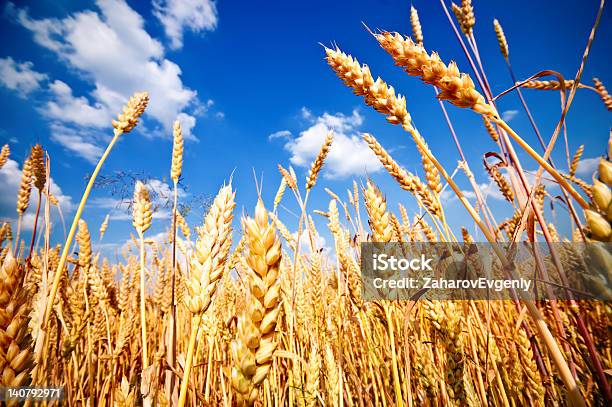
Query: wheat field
x: 237, y: 310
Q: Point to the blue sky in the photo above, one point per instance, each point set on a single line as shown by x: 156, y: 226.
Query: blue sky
x: 249, y: 83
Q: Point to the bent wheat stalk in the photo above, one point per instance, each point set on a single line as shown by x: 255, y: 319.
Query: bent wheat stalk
x: 126, y: 121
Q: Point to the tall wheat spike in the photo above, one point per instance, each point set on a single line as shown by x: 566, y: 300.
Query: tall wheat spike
x: 319, y: 160
x: 501, y: 38
x: 207, y: 267
x: 4, y: 155
x: 255, y: 343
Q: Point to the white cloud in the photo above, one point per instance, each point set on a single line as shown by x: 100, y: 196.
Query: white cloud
x: 19, y: 76
x: 488, y: 191
x: 283, y: 134
x: 81, y: 143
x: 10, y: 179
x: 67, y: 108
x: 349, y: 154
x: 178, y: 15
x: 306, y: 113
x: 111, y: 49
x: 188, y: 122
x: 161, y: 195
x: 319, y: 242
x: 587, y: 166
x: 508, y: 115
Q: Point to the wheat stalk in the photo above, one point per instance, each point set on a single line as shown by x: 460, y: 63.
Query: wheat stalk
x: 126, y: 121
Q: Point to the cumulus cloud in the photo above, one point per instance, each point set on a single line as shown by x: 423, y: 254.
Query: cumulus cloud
x: 65, y: 107
x: 349, y: 154
x: 19, y: 76
x: 179, y: 15
x: 78, y: 142
x: 10, y: 179
x: 111, y: 49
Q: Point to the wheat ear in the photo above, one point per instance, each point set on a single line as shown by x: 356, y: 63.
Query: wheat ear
x: 456, y: 87
x: 501, y: 38
x: 126, y: 121
x: 207, y: 267
x: 576, y: 160
x: 142, y: 217
x: 603, y: 93
x: 415, y: 22
x: 177, y: 152
x: 253, y: 349
x: 4, y: 155
x: 319, y: 160
x: 14, y: 341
